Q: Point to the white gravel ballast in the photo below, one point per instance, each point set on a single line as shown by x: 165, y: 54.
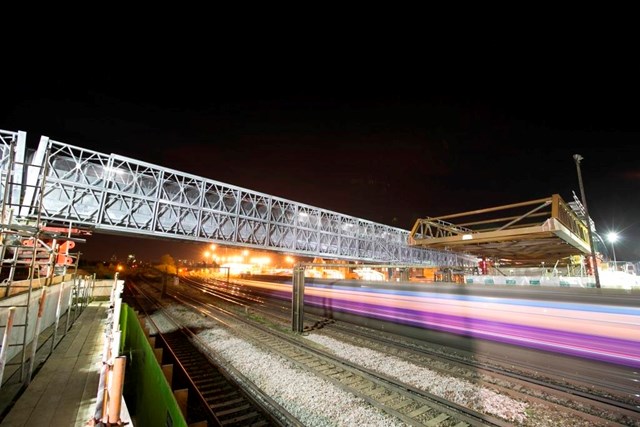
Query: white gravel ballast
x: 317, y: 402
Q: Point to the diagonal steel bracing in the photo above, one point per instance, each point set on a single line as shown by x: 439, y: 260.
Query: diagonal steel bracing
x: 116, y: 194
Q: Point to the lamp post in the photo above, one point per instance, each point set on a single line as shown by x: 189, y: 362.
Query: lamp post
x: 612, y: 237
x: 578, y: 158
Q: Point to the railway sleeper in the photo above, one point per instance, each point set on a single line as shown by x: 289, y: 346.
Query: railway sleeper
x: 227, y: 403
x: 221, y: 394
x: 437, y: 420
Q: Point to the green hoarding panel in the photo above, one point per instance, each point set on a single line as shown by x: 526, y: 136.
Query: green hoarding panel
x: 153, y: 403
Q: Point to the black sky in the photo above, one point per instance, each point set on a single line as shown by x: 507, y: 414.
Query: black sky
x: 386, y: 143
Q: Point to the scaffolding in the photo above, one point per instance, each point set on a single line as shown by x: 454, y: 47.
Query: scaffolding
x: 33, y: 257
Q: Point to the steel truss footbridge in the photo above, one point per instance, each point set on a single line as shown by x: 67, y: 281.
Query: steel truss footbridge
x: 62, y: 184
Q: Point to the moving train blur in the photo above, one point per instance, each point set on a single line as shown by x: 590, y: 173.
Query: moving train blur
x: 589, y: 323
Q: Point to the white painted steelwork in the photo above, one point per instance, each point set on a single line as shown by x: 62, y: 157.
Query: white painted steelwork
x: 110, y: 193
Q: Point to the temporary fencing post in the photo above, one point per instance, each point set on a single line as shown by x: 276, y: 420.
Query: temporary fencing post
x: 70, y: 303
x: 36, y: 333
x: 5, y: 340
x: 58, y: 309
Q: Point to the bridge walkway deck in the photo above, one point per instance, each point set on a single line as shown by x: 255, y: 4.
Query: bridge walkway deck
x: 63, y: 390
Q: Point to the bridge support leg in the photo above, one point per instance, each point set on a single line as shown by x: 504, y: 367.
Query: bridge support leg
x: 297, y: 300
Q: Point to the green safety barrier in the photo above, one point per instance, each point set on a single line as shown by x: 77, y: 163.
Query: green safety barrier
x: 149, y: 397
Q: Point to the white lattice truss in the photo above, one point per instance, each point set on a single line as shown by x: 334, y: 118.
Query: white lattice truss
x: 114, y: 194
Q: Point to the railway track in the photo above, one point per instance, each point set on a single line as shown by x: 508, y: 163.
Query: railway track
x: 412, y: 406
x: 595, y: 408
x: 218, y: 394
x: 228, y: 404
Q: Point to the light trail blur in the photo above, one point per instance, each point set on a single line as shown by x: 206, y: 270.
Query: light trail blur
x: 591, y: 330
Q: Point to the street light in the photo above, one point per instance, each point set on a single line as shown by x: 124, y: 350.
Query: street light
x: 578, y: 158
x: 612, y: 237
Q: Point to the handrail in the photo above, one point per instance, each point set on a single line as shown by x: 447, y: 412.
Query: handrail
x: 549, y: 214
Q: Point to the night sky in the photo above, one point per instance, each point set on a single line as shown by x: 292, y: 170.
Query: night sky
x: 387, y: 144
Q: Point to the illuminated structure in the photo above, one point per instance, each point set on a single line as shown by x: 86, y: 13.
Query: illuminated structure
x: 109, y: 193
